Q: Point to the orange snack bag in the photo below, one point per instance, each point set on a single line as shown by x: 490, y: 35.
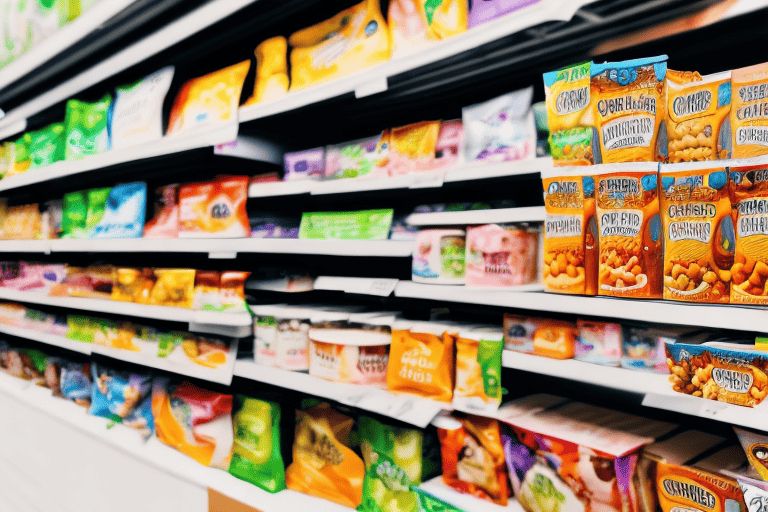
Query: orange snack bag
x: 555, y: 339
x: 629, y: 226
x: 698, y: 230
x: 209, y: 99
x: 749, y: 111
x: 473, y: 459
x: 271, y: 71
x: 324, y: 464
x: 214, y: 209
x: 681, y: 487
x: 174, y: 287
x: 23, y: 223
x: 570, y: 232
x: 697, y: 119
x: 421, y: 361
x: 130, y: 284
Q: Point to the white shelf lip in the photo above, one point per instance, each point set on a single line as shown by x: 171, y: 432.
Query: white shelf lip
x: 49, y: 339
x: 475, y: 217
x: 543, y: 11
x: 439, y: 489
x: 281, y: 188
x: 479, y: 170
x: 351, y: 185
x: 130, y: 309
x: 382, y: 287
x: 165, y: 146
x: 41, y: 246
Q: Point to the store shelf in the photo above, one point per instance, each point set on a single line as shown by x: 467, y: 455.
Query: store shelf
x: 474, y: 217
x: 749, y: 417
x: 408, y: 408
x: 281, y: 188
x: 482, y: 171
x: 467, y: 502
x: 381, y: 287
x: 48, y: 339
x: 41, y: 246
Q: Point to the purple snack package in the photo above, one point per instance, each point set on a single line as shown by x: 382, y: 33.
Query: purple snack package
x: 483, y: 11
x: 302, y: 165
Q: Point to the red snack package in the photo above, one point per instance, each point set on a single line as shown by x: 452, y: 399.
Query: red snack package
x: 214, y: 209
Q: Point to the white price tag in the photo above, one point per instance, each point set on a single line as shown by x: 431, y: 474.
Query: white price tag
x: 428, y: 179
x: 222, y: 255
x: 382, y: 287
x: 372, y: 87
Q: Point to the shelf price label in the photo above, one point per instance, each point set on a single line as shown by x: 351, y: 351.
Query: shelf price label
x: 433, y: 179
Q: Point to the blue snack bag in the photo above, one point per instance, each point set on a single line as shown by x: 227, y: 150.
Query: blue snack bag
x: 75, y: 382
x: 124, y: 212
x: 117, y: 395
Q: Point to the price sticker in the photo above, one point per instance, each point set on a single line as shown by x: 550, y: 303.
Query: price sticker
x: 428, y: 180
x: 382, y: 287
x: 222, y: 255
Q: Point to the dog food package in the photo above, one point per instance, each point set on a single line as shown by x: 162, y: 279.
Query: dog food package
x: 87, y: 128
x: 214, y: 209
x: 699, y: 232
x: 271, y: 70
x: 570, y: 113
x: 630, y: 233
x: 417, y: 24
x: 570, y: 232
x: 137, y: 115
x: 698, y: 126
x: 749, y: 111
x: 354, y: 39
x: 478, y: 370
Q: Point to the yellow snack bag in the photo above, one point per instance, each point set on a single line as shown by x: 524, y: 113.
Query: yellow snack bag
x: 749, y: 111
x: 697, y: 119
x: 271, y: 71
x: 478, y: 370
x: 629, y: 226
x: 570, y: 232
x: 174, y: 287
x: 354, y: 39
x: 698, y: 229
x: 416, y: 24
x: 629, y: 111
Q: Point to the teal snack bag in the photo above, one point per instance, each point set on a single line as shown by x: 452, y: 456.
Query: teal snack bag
x: 256, y: 456
x: 123, y: 211
x: 74, y: 211
x: 87, y: 128
x: 46, y: 146
x: 361, y: 225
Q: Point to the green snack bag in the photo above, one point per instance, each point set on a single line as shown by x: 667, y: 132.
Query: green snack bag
x: 46, y: 146
x: 89, y: 329
x: 74, y: 211
x: 87, y: 130
x: 256, y: 454
x: 167, y: 343
x: 22, y: 162
x: 7, y: 158
x: 361, y: 225
x: 97, y: 203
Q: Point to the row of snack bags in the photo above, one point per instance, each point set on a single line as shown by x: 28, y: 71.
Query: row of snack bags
x: 638, y: 110
x: 185, y: 288
x: 690, y: 232
x: 447, y: 362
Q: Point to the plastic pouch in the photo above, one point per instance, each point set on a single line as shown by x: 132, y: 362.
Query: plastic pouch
x: 23, y: 223
x: 174, y: 287
x: 207, y: 294
x: 87, y: 128
x: 115, y: 394
x: 214, y: 209
x: 483, y: 11
x: 21, y: 157
x: 412, y: 147
x: 308, y: 164
x: 478, y: 370
x: 165, y: 223
x: 46, y: 146
x: 124, y: 212
x: 75, y: 382
x: 137, y: 115
x: 418, y: 24
x: 358, y: 158
x: 361, y: 225
x: 271, y: 71
x: 232, y: 291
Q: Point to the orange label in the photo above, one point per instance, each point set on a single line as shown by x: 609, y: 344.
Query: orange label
x: 422, y: 364
x: 749, y: 111
x: 685, y: 488
x: 749, y: 274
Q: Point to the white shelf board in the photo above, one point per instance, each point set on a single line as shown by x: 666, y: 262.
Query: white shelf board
x: 281, y: 188
x: 439, y: 489
x: 381, y: 287
x: 351, y: 185
x: 475, y: 217
x: 41, y: 246
x: 408, y: 408
x: 370, y: 80
x: 480, y: 170
x: 750, y: 417
x: 49, y: 339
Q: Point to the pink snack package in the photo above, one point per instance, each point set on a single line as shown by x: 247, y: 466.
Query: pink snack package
x: 36, y: 276
x: 483, y: 11
x: 448, y: 150
x: 501, y: 256
x: 165, y: 222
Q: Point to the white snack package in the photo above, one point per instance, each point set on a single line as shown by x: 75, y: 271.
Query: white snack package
x: 137, y: 117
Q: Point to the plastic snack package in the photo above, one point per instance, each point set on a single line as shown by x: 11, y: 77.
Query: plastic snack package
x: 749, y: 123
x: 698, y: 227
x: 232, y: 291
x: 75, y: 381
x: 25, y: 363
x: 46, y: 146
x: 206, y: 295
x: 87, y: 128
x: 440, y: 257
x: 519, y: 332
x: 396, y: 461
x: 630, y: 232
x: 117, y: 394
x: 97, y: 206
x: 630, y: 109
x: 360, y: 225
x: 473, y: 458
x: 271, y: 71
x: 555, y: 339
x: 124, y: 211
x: 599, y: 342
x: 214, y: 209
x: 208, y: 100
x: 174, y: 287
x: 422, y: 360
x: 412, y: 147
x: 274, y: 225
x: 133, y: 285
x: 88, y: 329
x: 93, y: 282
x: 74, y: 213
x: 449, y: 149
x: 165, y: 222
x: 52, y: 376
x: 500, y: 130
x: 698, y: 127
x: 53, y: 216
x: 205, y: 352
x: 570, y: 233
x: 478, y: 370
x: 483, y: 11
x: 22, y: 159
x: 755, y: 493
x: 23, y: 223
x: 359, y: 158
x: 354, y: 39
x: 501, y: 255
x: 573, y: 138
x: 195, y: 421
x: 308, y: 164
x: 7, y: 158
x: 418, y: 24
x: 256, y: 456
x: 324, y: 461
x: 137, y: 115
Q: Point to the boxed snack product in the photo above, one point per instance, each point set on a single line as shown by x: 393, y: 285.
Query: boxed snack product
x: 417, y: 24
x: 359, y: 158
x: 749, y: 119
x: 360, y: 225
x: 271, y: 70
x: 46, y: 146
x: 478, y: 369
x: 501, y: 255
x: 214, y: 209
x: 643, y: 347
x: 599, y: 342
x: 165, y: 222
x: 137, y: 115
x: 630, y: 233
x: 354, y: 39
x: 699, y: 232
x: 87, y: 128
x: 439, y: 257
x: 541, y: 336
x: 308, y: 164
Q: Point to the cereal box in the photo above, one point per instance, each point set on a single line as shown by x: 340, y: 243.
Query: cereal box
x: 749, y: 111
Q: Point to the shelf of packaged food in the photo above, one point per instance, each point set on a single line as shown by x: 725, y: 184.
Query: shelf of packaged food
x: 41, y: 246
x: 439, y: 489
x: 374, y: 80
x: 717, y: 316
x: 407, y: 408
x: 48, y: 339
x: 475, y: 217
x: 382, y: 287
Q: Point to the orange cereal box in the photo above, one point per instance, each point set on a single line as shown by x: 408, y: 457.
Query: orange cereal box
x: 570, y: 232
x: 629, y: 229
x: 698, y: 229
x: 749, y: 111
x: 698, y: 128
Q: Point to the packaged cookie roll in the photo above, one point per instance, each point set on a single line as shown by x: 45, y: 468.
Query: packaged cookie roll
x: 630, y: 108
x: 698, y: 229
x: 629, y: 230
x: 749, y: 111
x: 570, y: 232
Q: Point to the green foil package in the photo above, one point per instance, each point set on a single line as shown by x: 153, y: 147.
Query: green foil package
x: 360, y: 225
x: 46, y: 146
x: 87, y: 128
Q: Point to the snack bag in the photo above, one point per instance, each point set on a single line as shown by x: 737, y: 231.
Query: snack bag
x: 87, y: 128
x: 324, y: 463
x: 214, y: 209
x: 449, y: 148
x: 749, y: 113
x: 93, y: 282
x: 232, y: 291
x: 74, y: 213
x: 97, y: 205
x: 133, y: 285
x: 207, y: 290
x: 256, y: 456
x: 75, y: 382
x: 308, y: 164
x: 354, y: 39
x: 116, y: 395
x: 137, y: 115
x: 208, y: 100
x: 749, y: 185
x: 680, y: 487
x: 473, y: 459
x: 412, y: 147
x: 570, y: 112
x: 23, y: 223
x: 440, y: 257
x: 755, y: 446
x: 205, y: 352
x: 697, y: 119
x: 361, y: 225
x: 630, y: 233
x: 22, y: 159
x: 195, y: 421
x: 46, y: 146
x: 271, y: 71
x: 488, y: 10
x: 570, y: 233
x: 123, y: 213
x: 421, y: 361
x: 358, y: 158
x: 501, y: 255
x: 478, y: 370
x: 174, y: 287
x: 599, y: 342
x: 165, y: 222
x: 418, y: 24
x: 699, y: 244
x: 7, y: 158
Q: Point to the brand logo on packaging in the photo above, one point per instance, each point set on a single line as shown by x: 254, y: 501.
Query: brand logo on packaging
x: 693, y: 103
x: 623, y: 186
x: 641, y: 103
x: 571, y: 101
x: 621, y: 222
x: 732, y: 380
x: 557, y: 226
x: 690, y: 492
x: 563, y: 187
